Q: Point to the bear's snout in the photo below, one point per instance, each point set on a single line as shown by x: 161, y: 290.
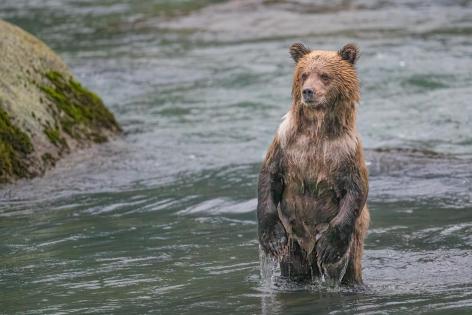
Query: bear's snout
x: 308, y: 95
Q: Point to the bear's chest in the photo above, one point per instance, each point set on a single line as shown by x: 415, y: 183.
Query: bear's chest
x: 305, y: 162
x: 313, y: 160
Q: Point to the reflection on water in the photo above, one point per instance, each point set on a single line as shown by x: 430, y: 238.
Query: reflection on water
x: 163, y: 218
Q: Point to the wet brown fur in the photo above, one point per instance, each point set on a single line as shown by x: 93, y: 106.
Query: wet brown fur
x: 314, y: 175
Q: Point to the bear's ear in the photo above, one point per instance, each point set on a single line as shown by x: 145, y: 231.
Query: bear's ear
x: 298, y: 50
x: 350, y: 53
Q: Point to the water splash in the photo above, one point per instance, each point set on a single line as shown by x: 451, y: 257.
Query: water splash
x: 329, y: 275
x: 269, y: 269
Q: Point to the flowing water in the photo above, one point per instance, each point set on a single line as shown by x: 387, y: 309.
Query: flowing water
x: 162, y: 219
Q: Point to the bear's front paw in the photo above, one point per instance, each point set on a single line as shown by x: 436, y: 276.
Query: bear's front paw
x: 274, y: 240
x: 331, y: 245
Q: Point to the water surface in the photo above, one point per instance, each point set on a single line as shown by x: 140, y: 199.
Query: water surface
x: 162, y: 219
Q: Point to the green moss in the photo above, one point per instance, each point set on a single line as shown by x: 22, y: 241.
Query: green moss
x: 82, y: 114
x: 77, y: 112
x: 15, y: 145
x: 54, y: 136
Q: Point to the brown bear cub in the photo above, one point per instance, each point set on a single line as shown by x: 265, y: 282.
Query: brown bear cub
x: 312, y: 192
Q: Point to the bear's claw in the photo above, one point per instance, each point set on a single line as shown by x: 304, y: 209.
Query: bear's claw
x: 275, y: 240
x: 330, y: 248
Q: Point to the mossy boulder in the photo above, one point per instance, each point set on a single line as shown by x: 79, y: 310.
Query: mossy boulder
x: 44, y: 112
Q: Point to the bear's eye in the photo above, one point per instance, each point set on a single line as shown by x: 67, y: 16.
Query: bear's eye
x: 325, y: 77
x: 304, y: 76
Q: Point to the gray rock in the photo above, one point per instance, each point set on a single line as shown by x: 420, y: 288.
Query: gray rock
x: 45, y: 113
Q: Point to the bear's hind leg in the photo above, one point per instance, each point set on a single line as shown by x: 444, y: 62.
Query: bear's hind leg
x: 353, y: 274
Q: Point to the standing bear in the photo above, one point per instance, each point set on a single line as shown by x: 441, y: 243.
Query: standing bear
x: 312, y: 213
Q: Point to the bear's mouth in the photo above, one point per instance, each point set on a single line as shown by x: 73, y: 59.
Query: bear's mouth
x: 315, y: 106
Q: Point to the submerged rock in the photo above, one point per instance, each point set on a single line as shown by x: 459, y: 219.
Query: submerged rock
x: 44, y: 112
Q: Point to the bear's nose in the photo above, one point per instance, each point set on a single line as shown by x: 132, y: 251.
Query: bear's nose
x: 308, y: 94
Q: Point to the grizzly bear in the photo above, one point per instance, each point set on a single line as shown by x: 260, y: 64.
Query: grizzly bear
x: 312, y: 213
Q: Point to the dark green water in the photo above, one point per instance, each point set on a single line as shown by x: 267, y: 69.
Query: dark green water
x: 162, y: 220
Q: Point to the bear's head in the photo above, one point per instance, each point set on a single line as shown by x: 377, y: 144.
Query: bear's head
x: 325, y: 80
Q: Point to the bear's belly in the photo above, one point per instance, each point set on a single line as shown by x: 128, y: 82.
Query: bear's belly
x: 305, y: 210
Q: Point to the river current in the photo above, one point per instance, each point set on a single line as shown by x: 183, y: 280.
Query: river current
x: 162, y: 219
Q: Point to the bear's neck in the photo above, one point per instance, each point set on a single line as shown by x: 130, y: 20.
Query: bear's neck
x: 338, y: 120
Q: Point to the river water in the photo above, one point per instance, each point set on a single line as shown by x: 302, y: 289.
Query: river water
x: 162, y: 219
